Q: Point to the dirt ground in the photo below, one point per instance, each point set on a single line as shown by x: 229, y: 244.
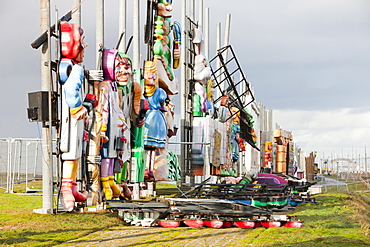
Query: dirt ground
x: 160, y: 236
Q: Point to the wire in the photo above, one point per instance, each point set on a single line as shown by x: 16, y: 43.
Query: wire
x: 77, y: 7
x: 24, y: 102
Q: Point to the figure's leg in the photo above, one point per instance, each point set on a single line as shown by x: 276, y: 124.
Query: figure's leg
x: 68, y: 198
x: 79, y: 197
x: 95, y: 184
x: 105, y: 179
x: 115, y: 189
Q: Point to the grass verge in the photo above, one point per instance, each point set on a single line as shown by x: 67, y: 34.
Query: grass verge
x: 339, y: 219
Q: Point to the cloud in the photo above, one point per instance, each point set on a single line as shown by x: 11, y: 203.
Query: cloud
x: 326, y: 130
x: 307, y: 60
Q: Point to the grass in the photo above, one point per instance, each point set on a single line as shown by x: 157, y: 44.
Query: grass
x: 339, y: 219
x: 19, y: 226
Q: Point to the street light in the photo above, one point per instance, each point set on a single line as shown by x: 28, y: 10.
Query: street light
x: 337, y: 168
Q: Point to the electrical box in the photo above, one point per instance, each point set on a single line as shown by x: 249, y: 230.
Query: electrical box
x: 38, y: 110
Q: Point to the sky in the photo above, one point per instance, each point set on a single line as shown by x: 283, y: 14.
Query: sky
x: 308, y: 61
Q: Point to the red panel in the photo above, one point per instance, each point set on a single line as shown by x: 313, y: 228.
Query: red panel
x: 293, y: 224
x: 227, y: 224
x: 269, y: 224
x: 194, y: 223
x: 169, y: 223
x: 214, y: 223
x: 257, y: 224
x: 244, y: 224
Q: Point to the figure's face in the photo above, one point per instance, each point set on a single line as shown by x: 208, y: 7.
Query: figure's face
x: 165, y: 8
x: 150, y: 78
x: 83, y: 45
x: 236, y: 116
x: 123, y: 71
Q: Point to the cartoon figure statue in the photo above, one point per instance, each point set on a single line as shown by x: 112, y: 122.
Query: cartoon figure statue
x: 113, y: 122
x: 235, y: 134
x: 199, y: 101
x: 155, y: 131
x: 126, y: 103
x: 93, y: 157
x: 268, y: 155
x: 202, y: 72
x: 165, y: 58
x: 75, y: 108
x: 130, y: 103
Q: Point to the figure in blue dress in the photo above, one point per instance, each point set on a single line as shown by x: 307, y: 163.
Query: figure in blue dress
x: 155, y: 129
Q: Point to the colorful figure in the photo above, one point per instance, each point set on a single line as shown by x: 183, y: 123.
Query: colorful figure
x: 164, y: 58
x: 202, y: 72
x: 75, y: 108
x: 155, y: 131
x: 125, y: 95
x: 235, y: 134
x: 113, y: 122
x: 199, y: 101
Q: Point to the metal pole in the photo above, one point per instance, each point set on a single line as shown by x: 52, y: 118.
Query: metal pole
x: 36, y: 154
x: 136, y: 61
x: 136, y: 35
x: 227, y: 34
x: 200, y: 13
x: 47, y: 169
x: 183, y: 88
x: 218, y: 46
x: 8, y: 174
x: 28, y: 143
x: 122, y: 24
x: 20, y: 157
x: 76, y: 16
x: 192, y: 10
x: 99, y: 30
x: 365, y: 163
x: 206, y: 33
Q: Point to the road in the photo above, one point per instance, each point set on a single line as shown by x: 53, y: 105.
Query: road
x: 328, y: 181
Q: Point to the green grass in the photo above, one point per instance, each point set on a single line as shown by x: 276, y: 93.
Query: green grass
x: 19, y: 226
x: 339, y: 219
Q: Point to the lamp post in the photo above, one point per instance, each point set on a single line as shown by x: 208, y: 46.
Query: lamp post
x: 338, y: 169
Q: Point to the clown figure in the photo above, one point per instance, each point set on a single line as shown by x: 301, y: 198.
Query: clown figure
x: 75, y: 107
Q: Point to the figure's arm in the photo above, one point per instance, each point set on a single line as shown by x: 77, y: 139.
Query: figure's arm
x: 177, y: 44
x: 73, y: 95
x: 104, y: 109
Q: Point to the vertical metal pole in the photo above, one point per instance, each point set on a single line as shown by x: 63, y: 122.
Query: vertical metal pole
x: 365, y: 163
x: 206, y: 33
x: 47, y: 169
x: 76, y: 16
x: 122, y: 24
x: 227, y: 34
x: 136, y: 34
x: 28, y: 143
x: 183, y: 89
x: 218, y: 46
x: 36, y: 154
x: 136, y: 61
x: 8, y: 174
x: 99, y: 29
x: 200, y: 13
x: 192, y: 10
x: 20, y: 157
